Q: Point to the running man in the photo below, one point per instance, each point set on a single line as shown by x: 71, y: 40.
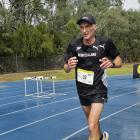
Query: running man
x: 90, y: 56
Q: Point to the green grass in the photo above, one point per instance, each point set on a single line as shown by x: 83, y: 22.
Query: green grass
x: 124, y: 70
x: 61, y: 75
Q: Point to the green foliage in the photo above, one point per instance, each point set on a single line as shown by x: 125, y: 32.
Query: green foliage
x: 4, y: 51
x: 30, y: 41
x: 133, y: 35
x: 70, y: 31
x: 39, y: 28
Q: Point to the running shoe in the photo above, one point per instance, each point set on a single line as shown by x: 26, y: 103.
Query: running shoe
x: 105, y: 136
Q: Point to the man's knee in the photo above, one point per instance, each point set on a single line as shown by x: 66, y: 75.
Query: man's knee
x: 93, y: 128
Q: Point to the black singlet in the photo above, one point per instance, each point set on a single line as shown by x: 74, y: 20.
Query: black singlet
x: 88, y: 62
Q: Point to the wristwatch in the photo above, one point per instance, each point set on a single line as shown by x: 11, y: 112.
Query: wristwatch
x: 113, y: 65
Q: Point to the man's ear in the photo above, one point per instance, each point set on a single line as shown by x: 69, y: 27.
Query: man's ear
x: 95, y: 27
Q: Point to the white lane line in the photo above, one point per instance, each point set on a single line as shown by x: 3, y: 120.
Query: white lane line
x: 22, y: 89
x: 9, y: 91
x: 15, y: 102
x: 43, y: 91
x: 52, y: 116
x: 24, y: 101
x: 102, y: 119
x: 59, y: 102
x: 11, y: 97
x: 123, y: 94
x: 38, y: 106
x: 61, y: 113
x: 23, y: 94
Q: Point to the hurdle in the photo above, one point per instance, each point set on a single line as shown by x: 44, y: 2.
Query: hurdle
x: 53, y: 88
x: 39, y: 87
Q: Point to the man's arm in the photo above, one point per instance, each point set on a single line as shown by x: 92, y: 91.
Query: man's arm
x: 117, y: 62
x: 66, y: 68
x: 106, y: 63
x: 72, y: 62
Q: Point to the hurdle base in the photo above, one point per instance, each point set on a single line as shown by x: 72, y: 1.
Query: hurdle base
x: 57, y: 94
x: 40, y: 95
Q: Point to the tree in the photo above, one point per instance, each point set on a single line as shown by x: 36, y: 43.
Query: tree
x: 36, y: 28
x: 133, y: 36
x: 5, y: 29
x: 70, y: 32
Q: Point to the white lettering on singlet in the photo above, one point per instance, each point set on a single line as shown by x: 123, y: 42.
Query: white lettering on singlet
x: 86, y: 54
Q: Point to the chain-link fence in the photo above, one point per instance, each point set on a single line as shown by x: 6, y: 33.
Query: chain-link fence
x: 22, y: 64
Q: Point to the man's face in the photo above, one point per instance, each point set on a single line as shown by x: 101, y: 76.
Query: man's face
x: 87, y: 30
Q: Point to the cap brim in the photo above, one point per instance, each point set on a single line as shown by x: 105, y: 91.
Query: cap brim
x: 84, y: 21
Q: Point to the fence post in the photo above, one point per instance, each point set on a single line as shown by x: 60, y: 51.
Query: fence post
x: 16, y: 62
x: 44, y: 63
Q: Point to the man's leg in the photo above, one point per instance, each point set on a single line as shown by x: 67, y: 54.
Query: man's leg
x: 93, y: 121
x: 86, y: 110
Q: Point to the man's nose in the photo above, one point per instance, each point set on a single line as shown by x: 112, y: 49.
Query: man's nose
x: 84, y: 30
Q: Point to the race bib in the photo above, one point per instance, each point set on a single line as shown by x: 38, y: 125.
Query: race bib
x: 85, y: 76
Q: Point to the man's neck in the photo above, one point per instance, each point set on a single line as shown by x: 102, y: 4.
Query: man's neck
x: 89, y: 41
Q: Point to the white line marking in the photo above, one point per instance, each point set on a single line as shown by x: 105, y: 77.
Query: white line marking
x: 59, y: 102
x: 21, y: 84
x: 61, y: 113
x: 46, y: 90
x: 38, y: 106
x: 102, y: 119
x: 60, y: 85
x: 52, y: 116
x: 24, y: 100
x: 123, y: 94
x: 23, y: 94
x: 11, y: 97
x: 15, y: 102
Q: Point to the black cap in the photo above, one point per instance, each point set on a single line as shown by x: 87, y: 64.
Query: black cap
x: 87, y: 18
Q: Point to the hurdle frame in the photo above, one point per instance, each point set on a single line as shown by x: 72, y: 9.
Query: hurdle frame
x: 39, y: 80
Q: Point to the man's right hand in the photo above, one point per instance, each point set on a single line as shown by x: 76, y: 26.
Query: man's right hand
x: 72, y: 62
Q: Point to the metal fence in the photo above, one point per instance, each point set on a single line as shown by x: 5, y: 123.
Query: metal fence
x: 22, y: 64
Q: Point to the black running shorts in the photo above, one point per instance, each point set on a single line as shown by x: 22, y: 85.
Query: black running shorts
x: 94, y: 98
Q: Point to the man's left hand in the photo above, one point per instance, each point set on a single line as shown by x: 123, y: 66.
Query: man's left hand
x: 105, y: 63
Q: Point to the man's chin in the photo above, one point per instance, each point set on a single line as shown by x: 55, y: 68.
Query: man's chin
x: 86, y: 37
